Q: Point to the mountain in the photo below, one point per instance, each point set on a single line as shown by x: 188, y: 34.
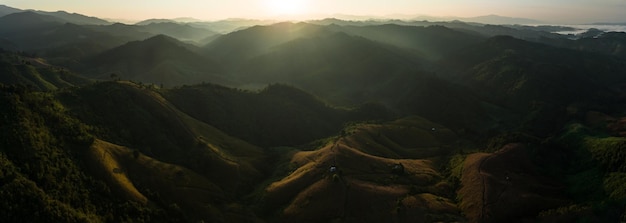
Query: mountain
x: 158, y: 60
x: 130, y: 32
x: 336, y: 121
x: 150, y: 21
x: 182, y: 20
x: 597, y: 41
x: 63, y: 44
x: 519, y: 66
x: 336, y: 21
x: 187, y: 166
x: 535, y: 79
x: 43, y: 34
x: 6, y: 10
x: 242, y: 45
x: 339, y: 67
x: 276, y: 112
x: 230, y: 25
x: 70, y: 43
x: 499, y: 20
x: 75, y: 18
x: 393, y: 175
x: 182, y: 32
x: 431, y: 42
x: 36, y: 73
x: 186, y: 20
x: 27, y: 21
x: 532, y: 33
x: 62, y: 15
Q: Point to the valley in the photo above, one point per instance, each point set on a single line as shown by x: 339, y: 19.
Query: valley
x: 310, y: 121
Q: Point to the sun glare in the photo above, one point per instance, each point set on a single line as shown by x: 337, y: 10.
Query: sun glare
x: 286, y: 7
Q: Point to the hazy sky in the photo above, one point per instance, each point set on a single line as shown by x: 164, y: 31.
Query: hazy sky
x: 557, y: 11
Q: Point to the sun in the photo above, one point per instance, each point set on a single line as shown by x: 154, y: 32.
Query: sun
x: 286, y: 7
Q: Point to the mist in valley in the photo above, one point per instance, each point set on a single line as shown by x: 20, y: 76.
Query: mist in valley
x: 289, y: 117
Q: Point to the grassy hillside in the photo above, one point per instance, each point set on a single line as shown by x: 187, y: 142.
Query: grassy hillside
x: 368, y: 123
x: 43, y: 174
x: 155, y: 127
x: 56, y: 164
x: 36, y: 73
x: 367, y: 184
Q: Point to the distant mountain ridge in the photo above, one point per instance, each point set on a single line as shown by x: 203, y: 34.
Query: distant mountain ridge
x: 75, y: 18
x: 27, y: 21
x: 320, y: 121
x: 158, y: 60
x: 6, y: 10
x: 183, y: 32
x: 501, y: 20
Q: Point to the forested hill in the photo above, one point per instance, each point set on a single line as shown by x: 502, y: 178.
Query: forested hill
x: 318, y: 121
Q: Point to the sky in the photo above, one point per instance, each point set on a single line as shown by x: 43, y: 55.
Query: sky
x: 550, y: 11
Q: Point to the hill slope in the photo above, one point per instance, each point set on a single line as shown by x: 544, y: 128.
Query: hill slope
x: 364, y: 187
x: 158, y: 60
x: 6, y: 10
x: 341, y: 68
x: 430, y: 42
x: 75, y: 18
x: 278, y: 115
x: 535, y: 79
x: 36, y: 73
x: 236, y: 47
x: 182, y: 32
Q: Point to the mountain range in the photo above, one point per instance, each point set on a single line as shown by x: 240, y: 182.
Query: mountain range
x: 319, y: 121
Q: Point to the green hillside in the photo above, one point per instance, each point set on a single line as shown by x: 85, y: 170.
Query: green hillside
x: 157, y: 60
x: 430, y: 42
x: 43, y: 169
x: 341, y: 68
x: 75, y: 18
x: 278, y: 115
x: 182, y: 32
x: 26, y: 21
x: 535, y: 79
x: 238, y: 46
x: 36, y: 73
x: 320, y: 121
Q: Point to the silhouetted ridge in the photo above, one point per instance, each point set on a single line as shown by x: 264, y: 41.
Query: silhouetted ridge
x: 28, y: 20
x: 6, y: 10
x: 430, y: 42
x: 159, y: 60
x: 339, y: 67
x: 75, y: 18
x: 238, y: 46
x: 182, y: 32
